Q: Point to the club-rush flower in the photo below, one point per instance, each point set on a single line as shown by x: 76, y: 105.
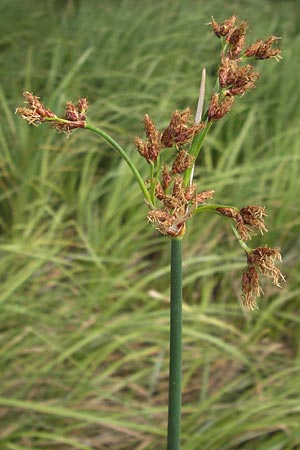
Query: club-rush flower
x: 36, y: 113
x: 235, y: 36
x: 264, y: 50
x: 180, y: 130
x: 235, y: 79
x: 219, y: 105
x: 225, y: 28
x: 170, y: 192
x: 182, y: 161
x: 260, y: 260
x: 247, y: 220
x: 151, y: 147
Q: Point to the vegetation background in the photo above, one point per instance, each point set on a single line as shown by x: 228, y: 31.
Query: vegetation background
x: 84, y: 279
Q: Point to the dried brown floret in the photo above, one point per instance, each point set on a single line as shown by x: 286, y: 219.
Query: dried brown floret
x: 225, y: 28
x: 236, y: 38
x: 263, y: 49
x: 190, y: 192
x: 150, y: 148
x: 253, y: 216
x: 168, y: 224
x: 219, y: 106
x: 166, y: 178
x: 251, y: 288
x: 236, y: 79
x: 247, y: 220
x: 36, y: 112
x: 180, y: 130
x: 182, y: 161
x: 263, y: 258
x: 203, y: 196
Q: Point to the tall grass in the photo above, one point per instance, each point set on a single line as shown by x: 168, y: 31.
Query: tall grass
x: 84, y: 279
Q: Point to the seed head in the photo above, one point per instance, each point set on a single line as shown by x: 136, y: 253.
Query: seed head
x: 236, y: 38
x: 262, y: 259
x: 247, y: 220
x: 264, y: 50
x: 203, y: 196
x: 219, y: 106
x: 225, y: 28
x: 150, y: 148
x: 251, y: 288
x: 166, y: 177
x: 180, y: 131
x: 253, y: 217
x: 35, y: 112
x: 182, y: 161
x: 236, y: 79
x: 78, y: 112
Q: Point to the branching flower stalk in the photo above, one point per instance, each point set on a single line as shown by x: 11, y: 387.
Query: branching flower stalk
x: 170, y: 192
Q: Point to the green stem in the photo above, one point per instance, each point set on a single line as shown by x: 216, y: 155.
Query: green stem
x: 194, y: 151
x: 124, y: 155
x: 174, y: 412
x: 152, y: 182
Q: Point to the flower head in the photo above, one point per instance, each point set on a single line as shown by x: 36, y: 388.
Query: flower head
x: 260, y: 259
x: 225, y: 28
x: 247, y: 220
x: 36, y: 113
x: 219, y: 106
x: 236, y: 79
x: 180, y: 130
x: 151, y: 147
x: 264, y: 49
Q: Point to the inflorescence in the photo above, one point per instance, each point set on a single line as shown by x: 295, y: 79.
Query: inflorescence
x: 173, y: 195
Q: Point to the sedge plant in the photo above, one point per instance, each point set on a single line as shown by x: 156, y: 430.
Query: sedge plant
x: 170, y: 191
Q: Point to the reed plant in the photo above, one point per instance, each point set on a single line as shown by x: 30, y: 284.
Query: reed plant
x: 171, y: 192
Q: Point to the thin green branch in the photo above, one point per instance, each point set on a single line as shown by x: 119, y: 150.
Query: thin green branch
x: 125, y: 156
x: 117, y: 147
x: 213, y: 209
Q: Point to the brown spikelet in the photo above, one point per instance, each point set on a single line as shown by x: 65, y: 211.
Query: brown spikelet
x: 264, y: 258
x: 219, y: 106
x: 264, y: 50
x: 159, y: 192
x: 166, y: 178
x: 251, y: 288
x: 236, y: 38
x: 35, y: 112
x: 203, y: 196
x: 182, y: 161
x: 180, y: 130
x: 247, y: 220
x: 190, y: 192
x: 236, y: 79
x: 225, y: 28
x: 151, y: 147
x: 253, y: 217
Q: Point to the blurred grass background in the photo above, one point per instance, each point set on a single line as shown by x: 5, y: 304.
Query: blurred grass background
x: 84, y: 278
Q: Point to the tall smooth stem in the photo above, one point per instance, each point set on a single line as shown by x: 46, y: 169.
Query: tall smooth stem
x: 174, y: 411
